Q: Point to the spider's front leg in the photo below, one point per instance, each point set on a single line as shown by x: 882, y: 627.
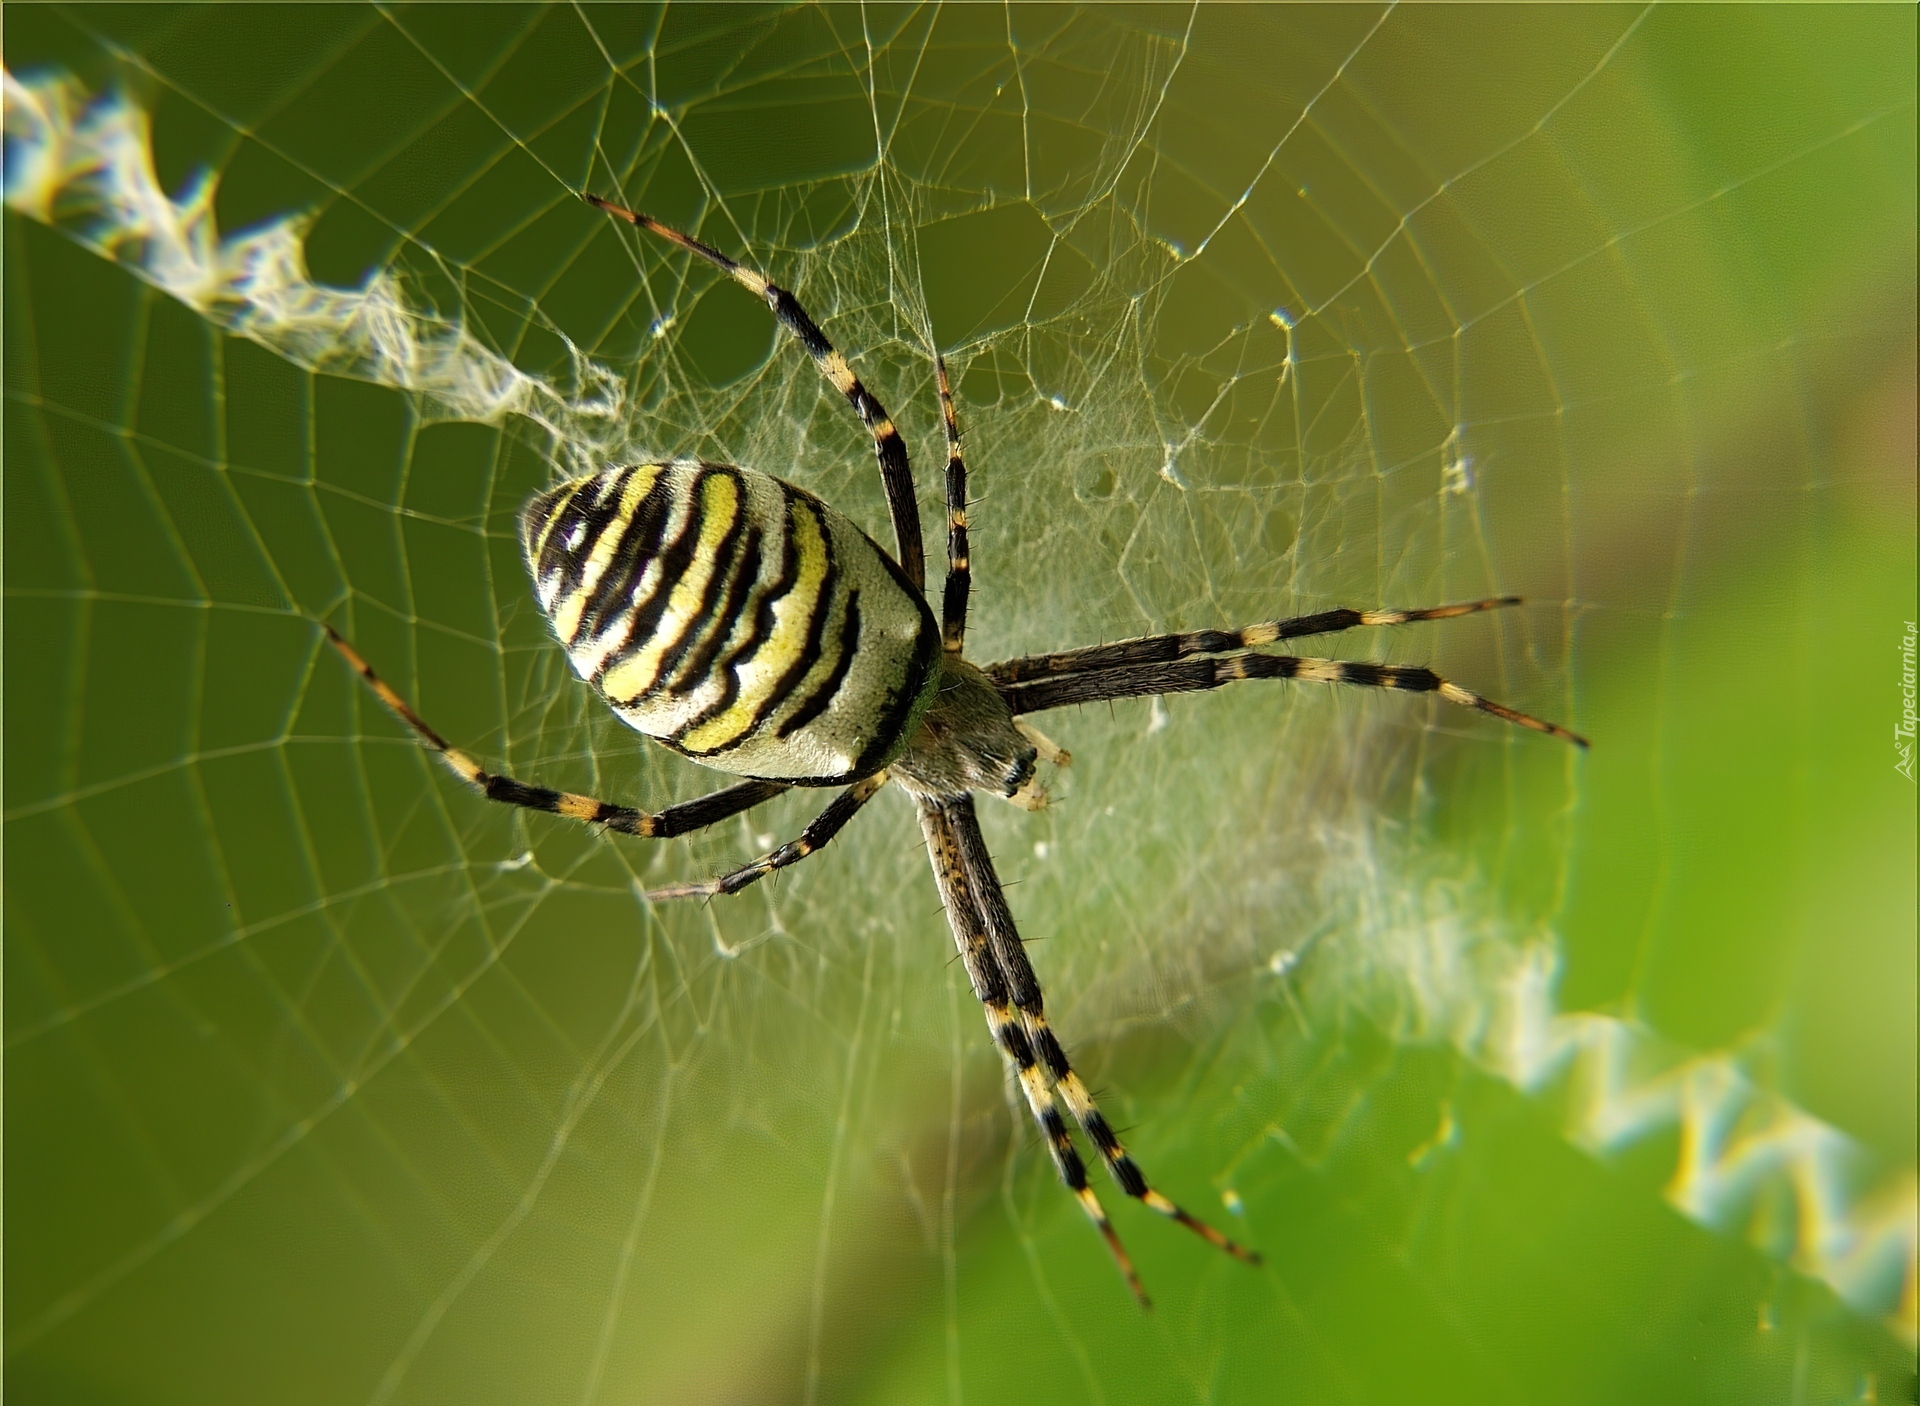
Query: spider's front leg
x: 1156, y: 665
x: 1164, y: 649
x: 1197, y: 675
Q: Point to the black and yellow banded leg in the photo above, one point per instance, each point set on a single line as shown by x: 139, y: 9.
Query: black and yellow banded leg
x: 953, y: 599
x: 1023, y: 987
x: 1162, y: 649
x: 680, y: 819
x: 1199, y: 675
x: 1120, y: 1165
x: 819, y: 831
x: 888, y: 447
x: 1010, y: 1034
x: 964, y: 916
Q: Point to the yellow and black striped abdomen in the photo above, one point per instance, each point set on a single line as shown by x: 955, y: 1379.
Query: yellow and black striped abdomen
x: 734, y: 617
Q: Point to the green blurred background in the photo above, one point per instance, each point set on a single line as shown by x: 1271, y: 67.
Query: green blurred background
x: 327, y: 1082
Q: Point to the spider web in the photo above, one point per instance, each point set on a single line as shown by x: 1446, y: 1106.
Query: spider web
x: 1529, y: 1074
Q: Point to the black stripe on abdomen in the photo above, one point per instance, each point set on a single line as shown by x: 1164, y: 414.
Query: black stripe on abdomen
x: 818, y: 701
x: 723, y: 554
x: 674, y: 562
x: 926, y: 655
x: 741, y: 573
x: 571, y: 562
x: 637, y: 547
x: 784, y: 686
x: 728, y: 669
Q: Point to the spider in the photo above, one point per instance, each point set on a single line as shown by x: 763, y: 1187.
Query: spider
x: 749, y: 626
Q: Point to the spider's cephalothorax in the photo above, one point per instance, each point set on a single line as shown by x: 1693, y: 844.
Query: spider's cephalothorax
x: 751, y: 627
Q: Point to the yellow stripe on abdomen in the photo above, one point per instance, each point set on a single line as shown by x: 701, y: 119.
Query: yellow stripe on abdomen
x: 761, y: 674
x: 566, y: 618
x: 719, y: 508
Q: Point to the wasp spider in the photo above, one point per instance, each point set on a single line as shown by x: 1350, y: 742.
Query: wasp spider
x: 749, y: 626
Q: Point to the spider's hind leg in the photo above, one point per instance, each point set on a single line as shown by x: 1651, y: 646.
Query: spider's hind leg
x: 1024, y: 988
x: 939, y: 821
x: 890, y: 450
x: 675, y: 820
x: 819, y: 831
x: 1120, y: 1164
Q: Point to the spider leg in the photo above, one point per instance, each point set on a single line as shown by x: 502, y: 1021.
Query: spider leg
x: 888, y: 447
x: 1198, y: 675
x: 674, y: 820
x: 1024, y: 987
x: 1162, y: 649
x: 1050, y: 752
x: 964, y: 916
x: 819, y: 831
x: 953, y: 600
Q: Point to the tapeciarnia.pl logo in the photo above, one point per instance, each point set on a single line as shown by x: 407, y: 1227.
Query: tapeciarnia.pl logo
x: 1903, y: 730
